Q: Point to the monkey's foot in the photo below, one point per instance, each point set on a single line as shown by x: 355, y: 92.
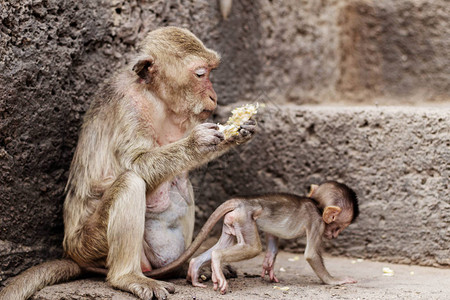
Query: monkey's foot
x: 142, y: 287
x: 219, y: 282
x: 268, y: 266
x: 193, y: 274
x: 269, y: 271
x: 228, y: 271
x: 198, y: 284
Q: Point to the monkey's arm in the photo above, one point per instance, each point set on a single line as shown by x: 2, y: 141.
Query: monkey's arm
x: 269, y: 259
x: 314, y: 257
x: 159, y: 164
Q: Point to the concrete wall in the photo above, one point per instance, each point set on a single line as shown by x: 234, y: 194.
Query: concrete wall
x: 54, y: 54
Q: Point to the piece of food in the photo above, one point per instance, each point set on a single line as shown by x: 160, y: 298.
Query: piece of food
x: 388, y: 271
x: 281, y: 288
x: 239, y: 116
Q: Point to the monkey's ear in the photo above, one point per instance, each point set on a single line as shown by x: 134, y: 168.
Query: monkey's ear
x: 330, y: 213
x: 313, y: 188
x: 144, y: 69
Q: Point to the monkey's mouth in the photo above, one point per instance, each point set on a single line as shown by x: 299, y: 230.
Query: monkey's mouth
x: 205, y: 113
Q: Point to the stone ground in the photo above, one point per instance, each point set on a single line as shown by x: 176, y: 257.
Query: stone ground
x: 408, y: 282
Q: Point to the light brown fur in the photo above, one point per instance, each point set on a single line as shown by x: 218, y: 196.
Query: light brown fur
x: 128, y: 184
x: 330, y: 209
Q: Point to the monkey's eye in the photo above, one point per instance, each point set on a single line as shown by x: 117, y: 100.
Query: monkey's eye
x: 200, y: 72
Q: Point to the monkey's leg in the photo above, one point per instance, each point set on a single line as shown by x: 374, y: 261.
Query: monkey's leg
x: 248, y: 246
x: 315, y: 260
x: 269, y: 259
x: 225, y: 240
x: 121, y: 215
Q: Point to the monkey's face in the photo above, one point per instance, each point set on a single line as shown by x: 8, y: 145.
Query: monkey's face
x: 205, y: 98
x: 333, y: 229
x: 186, y: 88
x: 176, y: 68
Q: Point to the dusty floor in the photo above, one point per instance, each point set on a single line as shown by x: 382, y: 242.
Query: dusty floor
x: 407, y: 282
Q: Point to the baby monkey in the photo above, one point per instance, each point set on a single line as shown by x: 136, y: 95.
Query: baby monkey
x: 326, y: 212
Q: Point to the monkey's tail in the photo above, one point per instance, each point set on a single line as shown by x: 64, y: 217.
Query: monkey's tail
x: 222, y: 210
x: 32, y: 280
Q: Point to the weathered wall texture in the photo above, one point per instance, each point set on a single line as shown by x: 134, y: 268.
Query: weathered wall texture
x: 54, y: 54
x: 385, y: 52
x: 396, y: 159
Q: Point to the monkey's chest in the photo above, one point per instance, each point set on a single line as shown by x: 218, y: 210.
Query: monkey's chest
x: 172, y: 196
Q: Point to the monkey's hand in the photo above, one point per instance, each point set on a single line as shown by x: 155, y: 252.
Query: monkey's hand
x: 268, y: 265
x: 206, y: 137
x: 341, y: 280
x: 245, y: 133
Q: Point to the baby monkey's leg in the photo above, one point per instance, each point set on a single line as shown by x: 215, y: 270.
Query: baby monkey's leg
x: 226, y: 240
x: 240, y: 223
x: 269, y: 259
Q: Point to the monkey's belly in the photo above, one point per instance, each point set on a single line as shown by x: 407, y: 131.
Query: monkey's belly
x: 165, y: 243
x: 165, y: 227
x: 282, y: 227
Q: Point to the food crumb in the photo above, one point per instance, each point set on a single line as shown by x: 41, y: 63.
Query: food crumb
x: 388, y: 271
x: 284, y: 288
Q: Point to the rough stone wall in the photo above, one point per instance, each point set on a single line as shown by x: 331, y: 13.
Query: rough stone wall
x: 395, y: 158
x: 394, y: 51
x: 369, y: 52
x: 54, y: 54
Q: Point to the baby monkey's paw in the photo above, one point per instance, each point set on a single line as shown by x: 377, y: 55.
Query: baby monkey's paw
x: 207, y: 137
x: 269, y: 271
x: 342, y: 280
x: 268, y: 266
x: 193, y: 274
x: 219, y: 281
x: 227, y: 270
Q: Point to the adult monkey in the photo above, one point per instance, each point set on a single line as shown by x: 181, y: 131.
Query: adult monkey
x: 129, y: 205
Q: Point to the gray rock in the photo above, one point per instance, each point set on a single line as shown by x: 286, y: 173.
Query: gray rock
x: 395, y: 158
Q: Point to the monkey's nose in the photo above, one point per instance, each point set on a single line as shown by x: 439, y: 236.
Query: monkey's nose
x: 212, y: 96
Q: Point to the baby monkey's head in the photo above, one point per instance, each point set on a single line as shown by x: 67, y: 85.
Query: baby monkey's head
x: 339, y: 205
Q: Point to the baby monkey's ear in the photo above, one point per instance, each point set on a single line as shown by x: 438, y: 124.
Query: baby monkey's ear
x: 330, y: 213
x: 313, y: 188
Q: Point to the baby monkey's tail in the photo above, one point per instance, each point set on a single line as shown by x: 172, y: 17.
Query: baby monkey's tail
x: 32, y: 280
x: 222, y: 210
